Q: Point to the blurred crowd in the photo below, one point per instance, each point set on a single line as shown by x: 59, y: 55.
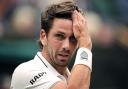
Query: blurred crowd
x: 21, y: 19
x: 107, y: 22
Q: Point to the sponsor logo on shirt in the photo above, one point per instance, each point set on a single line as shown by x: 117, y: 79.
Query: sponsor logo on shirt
x: 36, y: 77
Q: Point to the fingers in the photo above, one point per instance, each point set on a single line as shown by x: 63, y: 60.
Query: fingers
x: 74, y: 16
x: 80, y: 30
x: 78, y: 16
x: 81, y: 17
x: 75, y: 20
x: 76, y: 29
x: 79, y: 22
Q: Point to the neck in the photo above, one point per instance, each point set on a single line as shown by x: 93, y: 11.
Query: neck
x: 60, y: 69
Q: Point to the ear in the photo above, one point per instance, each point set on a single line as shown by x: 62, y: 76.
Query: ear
x: 43, y: 38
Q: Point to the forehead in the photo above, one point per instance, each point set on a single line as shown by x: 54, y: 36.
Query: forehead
x: 62, y: 25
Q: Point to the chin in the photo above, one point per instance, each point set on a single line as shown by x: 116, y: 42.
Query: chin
x: 63, y: 64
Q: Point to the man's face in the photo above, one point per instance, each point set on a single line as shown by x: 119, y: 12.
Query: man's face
x: 61, y: 43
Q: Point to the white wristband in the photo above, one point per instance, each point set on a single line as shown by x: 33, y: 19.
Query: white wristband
x: 84, y: 56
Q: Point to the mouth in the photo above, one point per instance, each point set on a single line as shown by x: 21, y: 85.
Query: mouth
x: 63, y: 56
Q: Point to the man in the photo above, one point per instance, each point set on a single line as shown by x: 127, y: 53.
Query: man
x: 63, y: 31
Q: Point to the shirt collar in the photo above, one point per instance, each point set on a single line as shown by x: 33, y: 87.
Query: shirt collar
x: 43, y: 61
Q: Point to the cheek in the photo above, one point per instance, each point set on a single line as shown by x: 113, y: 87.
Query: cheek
x: 54, y: 45
x: 53, y: 48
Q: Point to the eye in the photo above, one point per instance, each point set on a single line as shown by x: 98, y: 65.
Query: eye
x: 60, y: 36
x: 73, y: 40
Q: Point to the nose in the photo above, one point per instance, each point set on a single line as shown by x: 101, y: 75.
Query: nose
x: 66, y: 45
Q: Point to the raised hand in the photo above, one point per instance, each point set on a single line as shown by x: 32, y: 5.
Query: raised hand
x: 80, y: 30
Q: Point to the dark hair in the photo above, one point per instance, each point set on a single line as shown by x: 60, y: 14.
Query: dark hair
x: 62, y: 10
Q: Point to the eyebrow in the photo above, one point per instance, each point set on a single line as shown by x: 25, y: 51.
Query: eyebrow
x: 61, y: 32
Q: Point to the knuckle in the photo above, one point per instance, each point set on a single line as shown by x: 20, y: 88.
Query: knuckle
x: 75, y: 25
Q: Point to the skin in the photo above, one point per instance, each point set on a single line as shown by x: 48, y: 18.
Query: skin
x: 63, y: 39
x: 60, y: 44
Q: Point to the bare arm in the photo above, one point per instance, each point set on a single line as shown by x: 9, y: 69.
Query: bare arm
x: 80, y: 74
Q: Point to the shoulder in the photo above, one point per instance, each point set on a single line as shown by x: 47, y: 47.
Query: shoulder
x: 27, y: 67
x: 21, y: 74
x: 29, y: 74
x: 24, y: 68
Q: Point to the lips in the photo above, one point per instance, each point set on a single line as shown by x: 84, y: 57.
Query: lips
x: 63, y: 56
